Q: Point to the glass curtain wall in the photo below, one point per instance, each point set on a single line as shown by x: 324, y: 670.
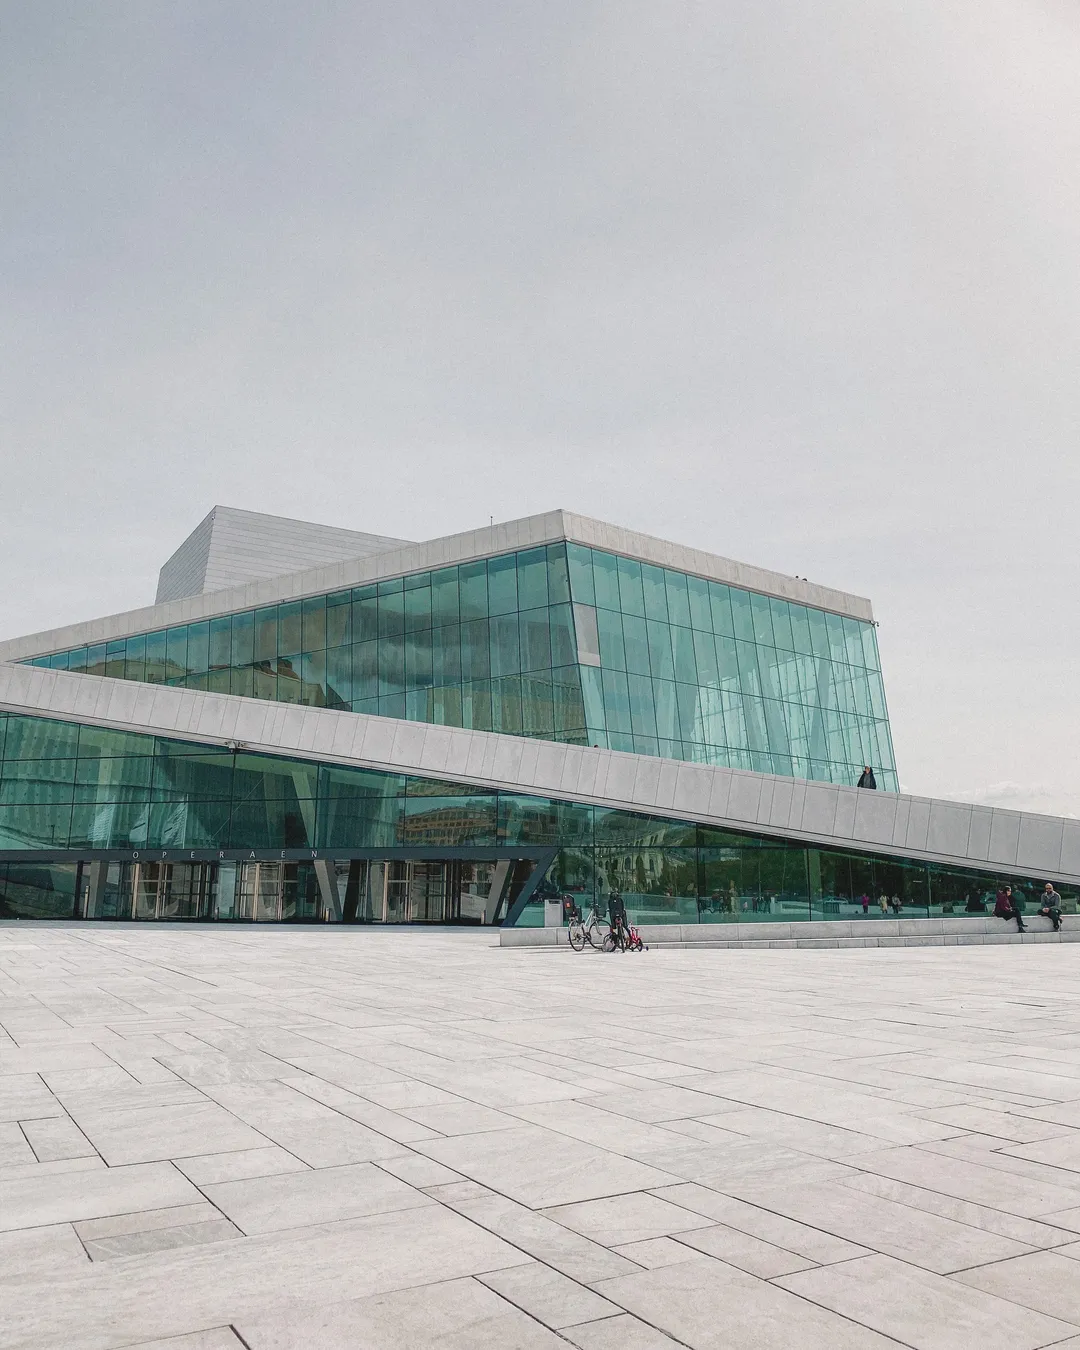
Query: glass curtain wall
x: 487, y: 645
x: 691, y: 669
x: 81, y: 789
x: 562, y: 643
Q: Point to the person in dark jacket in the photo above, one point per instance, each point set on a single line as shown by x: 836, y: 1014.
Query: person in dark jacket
x: 1051, y: 906
x: 866, y: 778
x: 1009, y: 906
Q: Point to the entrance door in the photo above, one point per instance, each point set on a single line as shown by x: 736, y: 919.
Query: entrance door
x: 396, y: 904
x: 164, y: 890
x: 428, y: 893
x: 146, y: 883
x: 259, y: 892
x: 268, y: 892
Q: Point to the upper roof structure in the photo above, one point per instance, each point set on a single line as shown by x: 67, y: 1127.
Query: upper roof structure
x: 401, y: 559
x: 230, y: 547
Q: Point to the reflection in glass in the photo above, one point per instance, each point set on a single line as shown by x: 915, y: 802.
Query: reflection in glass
x: 448, y: 646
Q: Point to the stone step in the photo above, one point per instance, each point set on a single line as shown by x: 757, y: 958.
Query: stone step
x: 969, y: 931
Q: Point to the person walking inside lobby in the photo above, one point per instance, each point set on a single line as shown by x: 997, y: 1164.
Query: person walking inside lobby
x: 866, y: 778
x: 1051, y: 906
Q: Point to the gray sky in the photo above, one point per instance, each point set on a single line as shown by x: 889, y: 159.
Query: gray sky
x: 796, y: 283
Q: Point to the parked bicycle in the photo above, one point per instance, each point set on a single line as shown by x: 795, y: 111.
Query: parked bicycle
x: 615, y: 935
x: 624, y: 935
x: 593, y: 930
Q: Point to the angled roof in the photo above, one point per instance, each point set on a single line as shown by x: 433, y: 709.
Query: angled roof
x: 230, y: 547
x: 403, y: 559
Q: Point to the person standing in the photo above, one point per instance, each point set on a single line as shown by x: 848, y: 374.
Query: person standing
x: 883, y: 904
x: 866, y: 778
x: 1051, y: 906
x: 864, y: 900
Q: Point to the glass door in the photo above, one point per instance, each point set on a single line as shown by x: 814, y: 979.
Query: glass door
x: 428, y: 893
x: 396, y: 905
x: 258, y: 892
x: 268, y: 893
x: 146, y: 882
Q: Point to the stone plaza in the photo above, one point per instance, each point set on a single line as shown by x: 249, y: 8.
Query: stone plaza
x: 316, y: 1138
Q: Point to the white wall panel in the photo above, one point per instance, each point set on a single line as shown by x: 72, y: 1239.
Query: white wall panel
x: 819, y: 809
x: 1039, y: 843
x: 1040, y: 846
x: 875, y: 817
x: 947, y: 831
x: 1004, y: 837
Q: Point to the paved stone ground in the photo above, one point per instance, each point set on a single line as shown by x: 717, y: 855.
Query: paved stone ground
x: 313, y: 1139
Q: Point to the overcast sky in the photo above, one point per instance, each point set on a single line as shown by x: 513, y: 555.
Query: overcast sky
x: 796, y: 283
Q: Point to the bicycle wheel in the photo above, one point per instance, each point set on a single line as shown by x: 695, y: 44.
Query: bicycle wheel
x: 577, y: 937
x: 609, y: 942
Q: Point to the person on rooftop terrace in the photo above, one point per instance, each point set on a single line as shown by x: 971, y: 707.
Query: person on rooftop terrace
x: 866, y: 778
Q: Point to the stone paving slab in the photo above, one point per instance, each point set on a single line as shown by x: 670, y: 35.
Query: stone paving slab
x: 313, y: 1138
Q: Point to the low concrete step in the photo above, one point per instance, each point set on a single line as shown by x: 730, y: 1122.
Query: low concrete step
x: 955, y: 931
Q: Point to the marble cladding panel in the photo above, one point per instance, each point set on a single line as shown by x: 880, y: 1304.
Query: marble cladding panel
x: 666, y: 784
x: 588, y: 766
x: 948, y: 828
x: 744, y: 794
x: 1039, y: 842
x: 779, y: 809
x: 1004, y: 837
x: 819, y: 809
x: 794, y: 808
x: 692, y: 790
x: 844, y: 820
x: 506, y: 759
x: 621, y: 777
x: 1070, y: 847
x: 918, y: 824
x: 875, y: 817
x: 982, y: 818
x: 646, y: 778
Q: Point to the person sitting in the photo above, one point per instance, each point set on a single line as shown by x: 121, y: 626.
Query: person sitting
x: 1051, y: 906
x: 1006, y: 906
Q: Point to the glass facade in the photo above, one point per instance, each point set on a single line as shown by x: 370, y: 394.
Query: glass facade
x: 562, y: 643
x: 488, y: 645
x: 185, y: 830
x: 675, y: 665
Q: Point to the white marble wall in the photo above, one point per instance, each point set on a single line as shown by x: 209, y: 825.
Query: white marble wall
x: 232, y: 547
x: 1046, y: 847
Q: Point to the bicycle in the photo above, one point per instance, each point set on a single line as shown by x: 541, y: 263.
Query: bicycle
x: 623, y: 934
x: 593, y: 931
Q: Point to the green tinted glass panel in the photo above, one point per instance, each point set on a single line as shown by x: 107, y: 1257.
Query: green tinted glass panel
x: 451, y: 646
